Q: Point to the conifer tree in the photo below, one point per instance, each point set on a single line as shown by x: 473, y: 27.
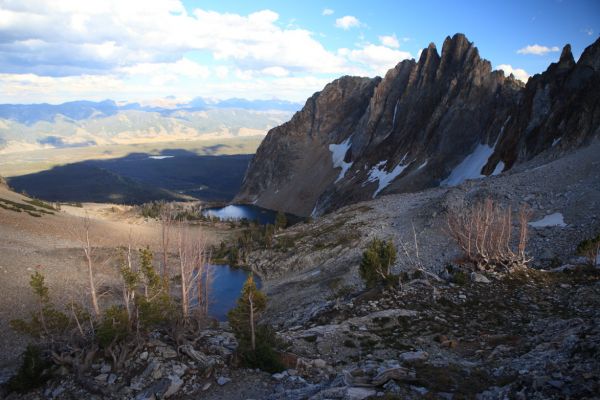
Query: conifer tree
x: 243, y: 317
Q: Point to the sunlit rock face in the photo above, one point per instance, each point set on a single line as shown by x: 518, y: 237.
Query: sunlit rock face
x: 437, y: 121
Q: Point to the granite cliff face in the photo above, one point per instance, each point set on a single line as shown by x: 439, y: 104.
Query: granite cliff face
x: 438, y: 121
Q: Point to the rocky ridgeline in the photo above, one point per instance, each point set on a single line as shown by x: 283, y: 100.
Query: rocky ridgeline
x: 359, y: 138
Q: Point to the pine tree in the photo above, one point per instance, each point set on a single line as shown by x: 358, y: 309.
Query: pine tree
x: 280, y: 220
x: 249, y: 306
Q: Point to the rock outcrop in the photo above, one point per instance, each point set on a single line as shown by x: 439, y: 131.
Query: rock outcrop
x: 436, y: 121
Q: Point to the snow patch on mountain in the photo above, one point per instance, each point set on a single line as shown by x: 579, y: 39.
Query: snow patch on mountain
x: 338, y: 152
x: 499, y: 168
x: 470, y: 167
x: 384, y: 178
x: 555, y: 219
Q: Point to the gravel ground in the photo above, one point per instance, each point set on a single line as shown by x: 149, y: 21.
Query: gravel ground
x: 326, y: 254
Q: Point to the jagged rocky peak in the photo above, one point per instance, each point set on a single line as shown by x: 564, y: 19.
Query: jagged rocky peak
x: 437, y: 121
x: 591, y: 56
x: 288, y: 164
x: 455, y: 51
x: 566, y: 56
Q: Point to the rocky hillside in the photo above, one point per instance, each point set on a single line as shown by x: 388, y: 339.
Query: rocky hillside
x: 436, y: 121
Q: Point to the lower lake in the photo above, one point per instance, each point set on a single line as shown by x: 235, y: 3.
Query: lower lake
x: 225, y: 289
x: 247, y: 211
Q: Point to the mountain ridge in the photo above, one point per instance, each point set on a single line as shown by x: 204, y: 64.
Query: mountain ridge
x: 83, y: 109
x: 439, y: 120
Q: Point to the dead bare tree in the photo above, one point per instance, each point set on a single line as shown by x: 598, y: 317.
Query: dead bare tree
x: 484, y: 233
x: 204, y: 285
x: 87, y: 250
x: 130, y: 279
x: 410, y: 257
x: 191, y: 248
x: 167, y: 218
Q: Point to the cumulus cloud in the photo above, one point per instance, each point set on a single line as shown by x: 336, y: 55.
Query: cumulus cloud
x: 31, y: 88
x: 28, y: 88
x: 84, y: 38
x: 374, y: 59
x: 518, y: 73
x: 538, y: 50
x: 275, y: 71
x: 221, y: 71
x: 347, y: 22
x: 327, y: 11
x: 389, y: 41
x: 57, y: 51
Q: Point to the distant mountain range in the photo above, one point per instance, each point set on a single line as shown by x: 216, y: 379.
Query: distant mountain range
x: 26, y: 127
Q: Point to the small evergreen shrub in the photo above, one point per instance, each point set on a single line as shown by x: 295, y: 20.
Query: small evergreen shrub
x: 280, y: 220
x: 260, y: 352
x: 589, y: 248
x: 32, y: 373
x: 265, y: 356
x: 113, y: 327
x: 460, y: 278
x: 377, y: 261
x: 47, y: 321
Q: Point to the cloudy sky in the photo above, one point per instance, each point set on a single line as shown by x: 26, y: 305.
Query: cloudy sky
x: 130, y: 50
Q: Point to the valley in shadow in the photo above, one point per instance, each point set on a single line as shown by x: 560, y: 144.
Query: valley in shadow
x: 172, y: 174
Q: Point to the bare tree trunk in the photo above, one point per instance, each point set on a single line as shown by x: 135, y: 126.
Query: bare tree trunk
x: 207, y: 286
x: 184, y: 273
x: 128, y: 292
x: 166, y: 220
x: 192, y: 262
x: 79, y: 327
x: 87, y: 249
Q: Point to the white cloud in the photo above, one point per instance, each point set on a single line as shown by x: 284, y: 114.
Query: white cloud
x: 221, y: 71
x: 81, y: 38
x: 537, y: 50
x: 347, y: 22
x: 518, y: 73
x: 589, y: 31
x: 390, y: 41
x: 275, y: 71
x: 28, y: 88
x: 129, y: 50
x: 327, y: 11
x: 31, y: 88
x: 375, y: 59
x: 183, y: 68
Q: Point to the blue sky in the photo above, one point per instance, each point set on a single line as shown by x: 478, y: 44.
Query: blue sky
x: 55, y: 51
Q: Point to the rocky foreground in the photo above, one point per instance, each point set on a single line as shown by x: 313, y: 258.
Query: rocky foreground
x: 529, y: 334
